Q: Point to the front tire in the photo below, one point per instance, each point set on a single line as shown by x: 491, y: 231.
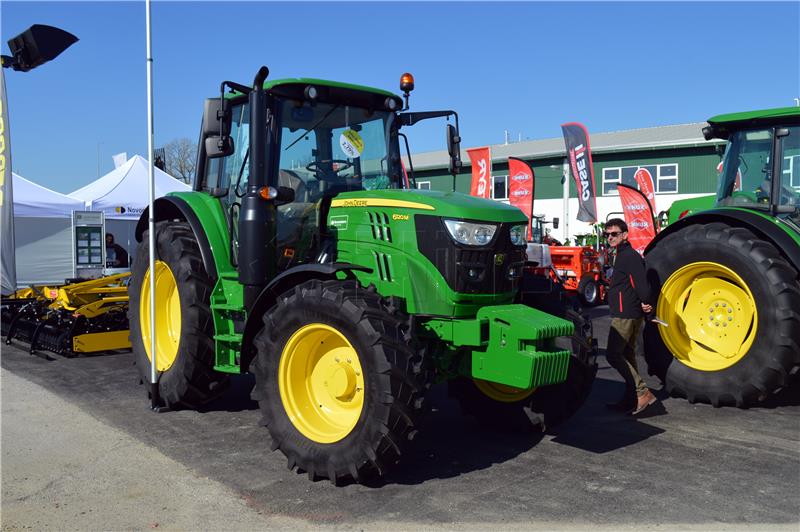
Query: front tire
x: 731, y: 303
x: 184, y: 328
x: 339, y: 386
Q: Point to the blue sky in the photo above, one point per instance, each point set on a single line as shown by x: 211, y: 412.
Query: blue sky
x: 524, y: 67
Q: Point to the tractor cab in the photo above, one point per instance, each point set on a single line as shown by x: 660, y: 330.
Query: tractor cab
x: 761, y: 166
x: 320, y: 139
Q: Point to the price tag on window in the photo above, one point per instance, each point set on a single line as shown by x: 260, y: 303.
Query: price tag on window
x: 351, y: 143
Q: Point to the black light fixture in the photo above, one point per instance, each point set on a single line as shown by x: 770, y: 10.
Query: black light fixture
x: 37, y: 45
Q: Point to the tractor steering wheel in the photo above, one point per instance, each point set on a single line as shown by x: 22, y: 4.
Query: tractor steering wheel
x: 314, y: 166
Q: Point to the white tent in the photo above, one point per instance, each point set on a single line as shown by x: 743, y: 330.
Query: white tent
x: 122, y: 194
x: 43, y: 233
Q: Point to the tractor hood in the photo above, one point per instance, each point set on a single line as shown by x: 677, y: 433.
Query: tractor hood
x: 433, y: 202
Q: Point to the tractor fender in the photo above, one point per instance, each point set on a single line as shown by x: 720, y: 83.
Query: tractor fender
x: 762, y: 227
x: 280, y: 284
x: 171, y: 208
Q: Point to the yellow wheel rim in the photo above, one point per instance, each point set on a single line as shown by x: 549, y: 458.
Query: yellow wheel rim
x: 502, y: 392
x: 168, y: 316
x: 321, y: 383
x: 711, y: 313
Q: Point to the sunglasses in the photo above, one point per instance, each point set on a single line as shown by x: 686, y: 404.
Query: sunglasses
x: 615, y: 234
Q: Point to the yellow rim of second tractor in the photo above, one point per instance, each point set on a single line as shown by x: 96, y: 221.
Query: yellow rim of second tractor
x: 502, y: 392
x: 321, y: 383
x: 712, y: 316
x: 168, y: 316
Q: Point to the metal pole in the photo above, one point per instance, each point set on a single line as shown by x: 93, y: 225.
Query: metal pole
x: 154, y: 399
x: 565, y: 173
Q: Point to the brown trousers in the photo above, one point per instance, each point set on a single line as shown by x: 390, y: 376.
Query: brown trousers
x: 621, y: 352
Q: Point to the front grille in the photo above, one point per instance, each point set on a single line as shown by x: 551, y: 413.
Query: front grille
x: 470, y: 269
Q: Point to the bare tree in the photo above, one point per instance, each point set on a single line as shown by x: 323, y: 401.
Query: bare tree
x: 180, y: 159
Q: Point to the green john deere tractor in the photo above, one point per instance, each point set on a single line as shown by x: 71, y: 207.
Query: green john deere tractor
x: 727, y: 269
x: 305, y: 256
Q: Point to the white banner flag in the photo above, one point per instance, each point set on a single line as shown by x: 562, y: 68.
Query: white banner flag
x: 7, y: 258
x: 120, y: 159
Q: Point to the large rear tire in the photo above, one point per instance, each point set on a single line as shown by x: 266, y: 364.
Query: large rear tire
x: 337, y: 380
x: 184, y: 328
x: 732, y: 304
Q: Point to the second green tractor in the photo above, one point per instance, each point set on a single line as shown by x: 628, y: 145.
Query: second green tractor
x: 728, y: 267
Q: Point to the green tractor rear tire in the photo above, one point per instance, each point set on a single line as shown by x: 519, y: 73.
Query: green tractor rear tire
x: 732, y: 305
x: 184, y: 328
x: 339, y: 385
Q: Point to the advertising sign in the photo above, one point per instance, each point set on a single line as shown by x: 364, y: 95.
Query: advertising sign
x: 9, y: 268
x: 579, y: 153
x: 638, y: 216
x: 521, y: 188
x: 88, y: 230
x: 481, y: 159
x: 645, y: 181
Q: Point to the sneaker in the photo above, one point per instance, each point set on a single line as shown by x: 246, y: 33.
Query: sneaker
x: 643, y: 401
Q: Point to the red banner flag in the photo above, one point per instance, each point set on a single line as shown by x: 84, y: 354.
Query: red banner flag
x: 638, y: 216
x: 521, y: 187
x: 645, y: 181
x: 481, y: 159
x: 576, y: 139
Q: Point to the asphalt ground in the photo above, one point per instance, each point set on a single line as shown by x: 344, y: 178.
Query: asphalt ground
x: 678, y: 466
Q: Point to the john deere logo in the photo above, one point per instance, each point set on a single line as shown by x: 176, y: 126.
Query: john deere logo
x: 499, y: 259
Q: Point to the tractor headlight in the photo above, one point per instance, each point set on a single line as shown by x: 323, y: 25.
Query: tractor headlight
x: 519, y: 235
x: 469, y: 233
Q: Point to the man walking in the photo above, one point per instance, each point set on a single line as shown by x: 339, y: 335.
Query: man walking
x: 629, y: 300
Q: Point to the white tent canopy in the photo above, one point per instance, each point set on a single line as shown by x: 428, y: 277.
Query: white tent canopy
x: 42, y: 233
x: 35, y: 201
x: 122, y: 194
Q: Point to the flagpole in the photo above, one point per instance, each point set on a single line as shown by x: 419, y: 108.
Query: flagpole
x: 565, y: 173
x: 154, y: 399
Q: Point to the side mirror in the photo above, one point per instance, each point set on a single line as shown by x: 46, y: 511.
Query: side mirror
x: 217, y: 146
x: 555, y: 223
x: 217, y: 127
x: 285, y: 195
x: 453, y: 148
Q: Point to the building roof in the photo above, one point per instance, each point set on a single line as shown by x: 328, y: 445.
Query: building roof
x: 675, y: 136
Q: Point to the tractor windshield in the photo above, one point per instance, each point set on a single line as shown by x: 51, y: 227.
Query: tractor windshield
x: 746, y: 170
x: 329, y: 148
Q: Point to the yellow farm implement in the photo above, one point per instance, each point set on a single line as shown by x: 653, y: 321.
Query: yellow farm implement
x: 70, y: 319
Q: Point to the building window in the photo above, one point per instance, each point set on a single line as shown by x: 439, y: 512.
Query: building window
x: 665, y: 178
x: 500, y: 187
x: 424, y: 185
x: 791, y: 167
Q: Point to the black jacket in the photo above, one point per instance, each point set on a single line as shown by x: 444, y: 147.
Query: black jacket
x: 629, y: 287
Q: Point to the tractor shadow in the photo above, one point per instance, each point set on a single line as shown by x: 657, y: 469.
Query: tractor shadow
x: 451, y: 444
x: 598, y: 430
x: 236, y: 397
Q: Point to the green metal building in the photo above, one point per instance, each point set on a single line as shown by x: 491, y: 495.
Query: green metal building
x: 681, y: 162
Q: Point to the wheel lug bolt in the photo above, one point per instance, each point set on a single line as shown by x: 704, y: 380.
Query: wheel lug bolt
x: 730, y: 310
x: 716, y: 304
x: 724, y: 304
x: 730, y: 318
